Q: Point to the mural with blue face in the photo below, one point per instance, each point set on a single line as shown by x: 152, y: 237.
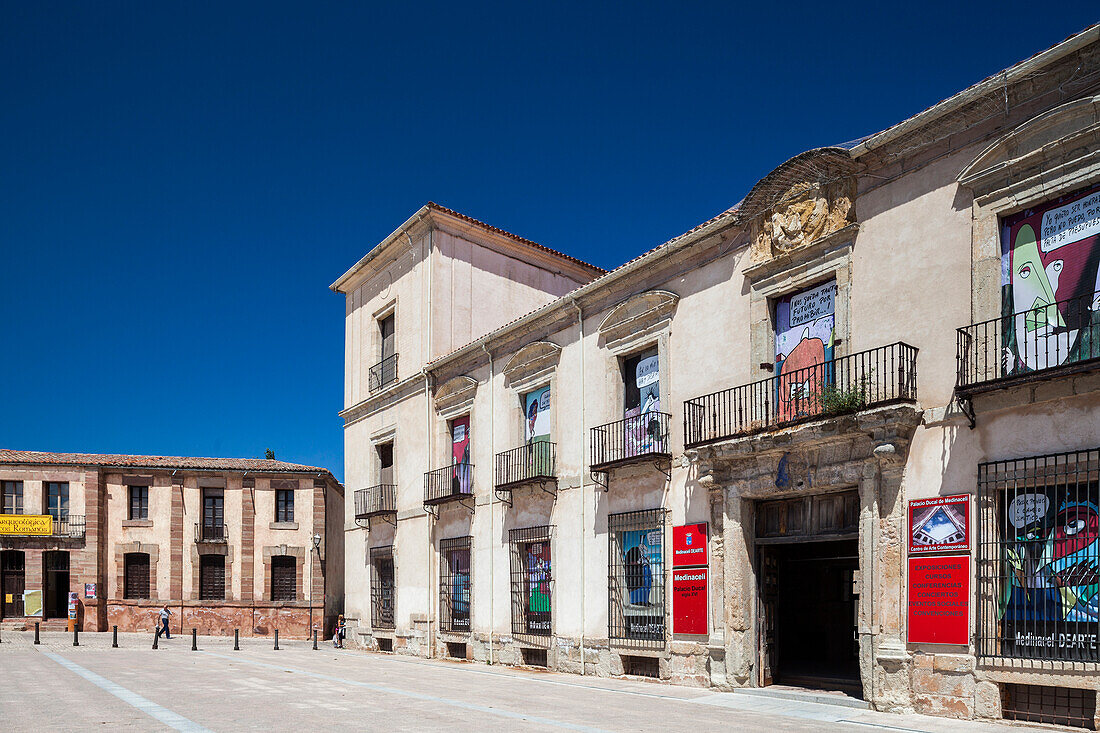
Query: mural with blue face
x: 1052, y: 570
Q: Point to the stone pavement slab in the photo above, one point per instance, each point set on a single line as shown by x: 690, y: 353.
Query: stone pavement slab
x: 94, y: 686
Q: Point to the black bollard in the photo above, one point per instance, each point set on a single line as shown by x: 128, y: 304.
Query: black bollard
x: 76, y: 637
x: 114, y: 637
x: 35, y: 632
x: 194, y: 640
x: 315, y: 640
x: 156, y: 637
x: 276, y: 640
x: 236, y: 640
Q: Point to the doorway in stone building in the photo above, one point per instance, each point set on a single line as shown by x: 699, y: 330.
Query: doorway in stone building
x: 808, y: 581
x: 12, y: 583
x: 55, y: 584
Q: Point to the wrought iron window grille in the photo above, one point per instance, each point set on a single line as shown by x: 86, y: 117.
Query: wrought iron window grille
x: 382, y: 587
x: 532, y: 581
x: 455, y: 589
x: 636, y: 582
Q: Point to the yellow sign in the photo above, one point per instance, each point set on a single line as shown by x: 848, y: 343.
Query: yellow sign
x: 9, y: 598
x: 26, y: 524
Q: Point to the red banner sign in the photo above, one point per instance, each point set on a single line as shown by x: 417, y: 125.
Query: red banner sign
x: 689, y: 545
x: 939, y: 600
x: 689, y: 601
x: 939, y: 524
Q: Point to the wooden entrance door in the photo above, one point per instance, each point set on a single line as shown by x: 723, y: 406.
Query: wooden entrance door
x: 213, y: 516
x: 55, y: 577
x: 769, y: 614
x: 12, y: 583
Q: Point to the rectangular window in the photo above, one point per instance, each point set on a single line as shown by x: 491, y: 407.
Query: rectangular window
x: 385, y: 463
x: 284, y: 578
x: 636, y: 576
x: 531, y: 580
x: 382, y: 587
x: 135, y: 571
x: 57, y: 500
x: 642, y: 383
x: 461, y: 476
x: 139, y: 502
x: 1039, y: 558
x: 454, y: 584
x: 213, y: 515
x: 212, y: 577
x: 805, y: 333
x: 386, y: 331
x: 13, y: 497
x: 284, y: 505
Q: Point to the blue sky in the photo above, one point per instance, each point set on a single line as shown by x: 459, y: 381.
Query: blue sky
x: 181, y: 182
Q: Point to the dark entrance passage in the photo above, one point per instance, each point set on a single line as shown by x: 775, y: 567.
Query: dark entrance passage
x: 12, y: 583
x: 808, y: 562
x: 55, y: 576
x: 814, y: 641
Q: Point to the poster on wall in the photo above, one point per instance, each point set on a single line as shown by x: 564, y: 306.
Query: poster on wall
x: 538, y: 587
x: 89, y: 590
x: 642, y: 603
x: 1050, y: 283
x: 460, y: 589
x: 689, y: 545
x: 32, y: 603
x: 537, y: 410
x: 1049, y: 607
x: 643, y: 402
x: 939, y: 524
x: 804, y: 339
x: 689, y: 600
x: 460, y: 455
x: 939, y: 600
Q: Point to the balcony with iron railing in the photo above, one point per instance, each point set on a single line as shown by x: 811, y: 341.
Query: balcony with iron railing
x: 531, y: 463
x: 452, y: 483
x: 844, y: 385
x: 376, y: 501
x: 382, y: 374
x: 637, y: 438
x: 209, y: 532
x: 1048, y: 341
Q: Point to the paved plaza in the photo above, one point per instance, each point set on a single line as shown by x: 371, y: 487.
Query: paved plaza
x: 56, y: 686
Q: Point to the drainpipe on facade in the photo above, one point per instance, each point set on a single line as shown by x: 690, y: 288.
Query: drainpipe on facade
x: 492, y: 512
x: 429, y: 441
x: 580, y: 341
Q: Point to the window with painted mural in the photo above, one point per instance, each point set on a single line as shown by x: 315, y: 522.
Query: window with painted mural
x: 454, y: 584
x: 1050, y: 283
x: 536, y: 432
x: 531, y: 580
x: 804, y: 339
x: 636, y: 579
x: 1039, y: 554
x: 642, y: 403
x: 462, y: 476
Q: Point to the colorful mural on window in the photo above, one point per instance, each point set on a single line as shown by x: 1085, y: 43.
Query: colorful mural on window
x: 459, y: 561
x: 538, y: 587
x: 804, y: 338
x: 460, y: 455
x: 643, y: 397
x: 643, y: 601
x: 1050, y: 280
x: 1049, y: 603
x: 536, y: 430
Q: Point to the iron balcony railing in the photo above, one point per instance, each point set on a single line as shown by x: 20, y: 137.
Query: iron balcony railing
x: 211, y: 532
x: 535, y: 461
x: 370, y: 502
x: 448, y: 484
x: 72, y: 525
x: 383, y: 373
x: 632, y: 438
x: 835, y: 387
x: 1060, y: 337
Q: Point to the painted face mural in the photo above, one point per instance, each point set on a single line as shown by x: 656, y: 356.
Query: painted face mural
x: 1049, y: 277
x: 803, y: 345
x: 1052, y: 568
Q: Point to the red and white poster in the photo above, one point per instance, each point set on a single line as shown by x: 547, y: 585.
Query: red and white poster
x: 939, y: 600
x: 939, y: 524
x: 689, y: 601
x: 689, y: 545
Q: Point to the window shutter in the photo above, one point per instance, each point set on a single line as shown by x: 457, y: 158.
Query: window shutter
x: 136, y: 575
x: 284, y: 578
x: 211, y: 578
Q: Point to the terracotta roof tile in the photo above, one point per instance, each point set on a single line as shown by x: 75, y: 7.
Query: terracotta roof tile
x: 259, y: 465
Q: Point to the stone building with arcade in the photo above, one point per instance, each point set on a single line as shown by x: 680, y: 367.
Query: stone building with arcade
x: 870, y: 390
x: 227, y: 543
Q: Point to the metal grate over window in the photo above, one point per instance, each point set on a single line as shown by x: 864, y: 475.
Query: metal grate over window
x: 531, y: 580
x: 1039, y: 558
x: 454, y: 584
x: 636, y: 577
x: 382, y: 587
x: 1053, y: 705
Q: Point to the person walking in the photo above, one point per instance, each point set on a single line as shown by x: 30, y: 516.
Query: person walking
x: 164, y: 614
x: 338, y: 635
